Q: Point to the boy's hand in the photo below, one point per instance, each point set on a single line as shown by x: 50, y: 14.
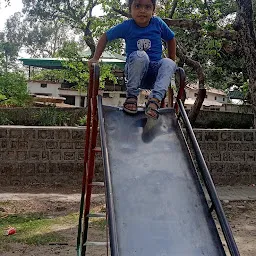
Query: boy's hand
x: 91, y: 61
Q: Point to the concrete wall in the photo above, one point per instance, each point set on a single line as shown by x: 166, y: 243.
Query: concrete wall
x: 50, y: 156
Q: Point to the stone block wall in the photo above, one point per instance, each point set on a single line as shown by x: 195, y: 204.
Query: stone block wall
x: 41, y: 155
x: 54, y: 155
x: 230, y: 154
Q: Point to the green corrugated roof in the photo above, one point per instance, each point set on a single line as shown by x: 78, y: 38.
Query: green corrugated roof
x: 105, y: 55
x: 55, y: 63
x: 49, y: 63
x: 236, y: 95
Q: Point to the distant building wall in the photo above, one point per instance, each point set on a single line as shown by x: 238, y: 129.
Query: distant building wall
x: 44, y: 88
x: 54, y: 89
x: 49, y: 155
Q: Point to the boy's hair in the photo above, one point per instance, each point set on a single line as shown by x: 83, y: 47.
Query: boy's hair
x: 129, y: 2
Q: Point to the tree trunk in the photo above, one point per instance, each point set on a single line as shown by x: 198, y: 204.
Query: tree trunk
x: 247, y: 41
x: 194, y: 112
x: 89, y: 41
x: 6, y: 62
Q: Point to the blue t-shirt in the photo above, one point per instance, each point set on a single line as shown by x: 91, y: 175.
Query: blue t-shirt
x: 142, y: 38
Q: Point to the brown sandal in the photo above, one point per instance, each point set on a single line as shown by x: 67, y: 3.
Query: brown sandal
x: 152, y: 107
x: 130, y: 105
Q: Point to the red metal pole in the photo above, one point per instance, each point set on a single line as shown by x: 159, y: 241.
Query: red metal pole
x: 91, y: 155
x: 86, y: 154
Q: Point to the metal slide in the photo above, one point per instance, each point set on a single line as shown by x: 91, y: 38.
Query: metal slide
x: 156, y: 204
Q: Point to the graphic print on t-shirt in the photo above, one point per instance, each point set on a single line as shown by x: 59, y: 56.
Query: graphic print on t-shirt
x: 144, y: 44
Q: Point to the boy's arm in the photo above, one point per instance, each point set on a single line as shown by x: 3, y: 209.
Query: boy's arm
x: 171, y: 47
x: 99, y: 49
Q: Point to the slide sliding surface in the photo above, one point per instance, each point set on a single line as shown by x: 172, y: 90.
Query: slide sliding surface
x: 159, y: 205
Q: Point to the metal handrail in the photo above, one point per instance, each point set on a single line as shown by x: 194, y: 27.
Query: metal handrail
x: 209, y: 185
x: 109, y: 190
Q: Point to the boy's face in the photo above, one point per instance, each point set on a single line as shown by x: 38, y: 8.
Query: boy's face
x: 142, y: 11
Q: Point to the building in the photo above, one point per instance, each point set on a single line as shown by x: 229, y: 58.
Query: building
x: 62, y: 89
x: 115, y: 95
x: 215, y: 99
x: 56, y: 89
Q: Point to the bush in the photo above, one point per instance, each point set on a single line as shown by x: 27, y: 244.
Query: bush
x: 43, y: 116
x: 50, y: 116
x: 13, y: 90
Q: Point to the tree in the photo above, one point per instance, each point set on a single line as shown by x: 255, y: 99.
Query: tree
x: 6, y: 2
x: 8, y: 53
x: 76, y: 13
x: 44, y: 39
x: 11, y: 42
x: 207, y: 44
x: 75, y: 68
x: 245, y: 27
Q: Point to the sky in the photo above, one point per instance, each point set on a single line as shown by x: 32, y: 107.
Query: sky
x: 6, y: 12
x: 16, y: 6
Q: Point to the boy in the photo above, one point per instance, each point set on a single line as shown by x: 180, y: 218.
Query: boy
x: 144, y: 67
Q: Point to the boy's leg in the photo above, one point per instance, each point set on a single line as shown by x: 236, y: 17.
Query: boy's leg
x: 166, y: 68
x: 135, y: 70
x: 164, y: 71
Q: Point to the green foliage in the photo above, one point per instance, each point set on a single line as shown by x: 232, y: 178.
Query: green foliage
x: 48, y: 75
x: 106, y: 74
x: 219, y: 65
x: 4, y: 119
x: 10, y: 43
x: 35, y: 228
x: 76, y: 68
x: 50, y: 116
x: 42, y: 116
x: 82, y: 121
x: 44, y: 39
x: 13, y: 87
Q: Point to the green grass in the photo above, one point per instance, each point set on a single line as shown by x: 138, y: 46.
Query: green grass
x: 38, y: 228
x: 98, y: 223
x: 35, y: 229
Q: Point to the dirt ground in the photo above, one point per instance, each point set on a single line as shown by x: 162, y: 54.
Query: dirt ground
x: 241, y: 216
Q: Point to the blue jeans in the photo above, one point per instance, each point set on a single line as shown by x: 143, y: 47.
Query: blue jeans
x: 142, y: 73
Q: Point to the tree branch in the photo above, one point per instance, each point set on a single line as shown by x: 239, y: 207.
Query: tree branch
x: 122, y: 12
x: 192, y: 25
x: 208, y: 10
x: 192, y: 63
x: 183, y: 23
x: 201, y: 78
x: 174, y: 5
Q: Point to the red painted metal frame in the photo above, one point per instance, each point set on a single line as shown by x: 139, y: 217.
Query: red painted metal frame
x: 94, y: 72
x: 86, y: 154
x: 89, y: 158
